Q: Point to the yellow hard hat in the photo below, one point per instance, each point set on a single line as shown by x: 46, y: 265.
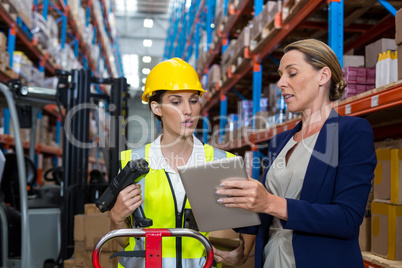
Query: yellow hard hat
x: 173, y: 74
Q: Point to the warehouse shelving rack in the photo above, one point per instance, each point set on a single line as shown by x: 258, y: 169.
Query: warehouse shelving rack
x: 267, y: 48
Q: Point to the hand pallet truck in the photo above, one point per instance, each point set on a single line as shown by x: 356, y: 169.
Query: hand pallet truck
x: 153, y: 247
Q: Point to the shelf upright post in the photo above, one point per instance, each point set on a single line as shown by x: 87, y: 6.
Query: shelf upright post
x: 205, y: 126
x: 42, y: 65
x: 11, y: 43
x: 85, y: 62
x: 210, y: 17
x: 35, y: 5
x: 224, y: 115
x: 197, y: 40
x: 257, y: 87
x: 223, y: 98
x: 76, y: 48
x: 45, y: 10
x: 63, y: 30
x: 87, y: 16
x: 10, y: 49
x: 335, y: 28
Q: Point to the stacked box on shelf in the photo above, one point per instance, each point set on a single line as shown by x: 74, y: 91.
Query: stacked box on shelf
x: 228, y: 59
x: 37, y: 77
x: 241, y: 50
x: 22, y: 65
x: 372, y: 50
x: 386, y: 209
x: 358, y: 80
x: 4, y: 56
x: 214, y: 78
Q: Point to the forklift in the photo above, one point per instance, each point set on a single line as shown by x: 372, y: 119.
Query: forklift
x: 37, y: 225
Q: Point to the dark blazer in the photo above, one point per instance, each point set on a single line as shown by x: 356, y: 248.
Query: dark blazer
x: 326, y: 219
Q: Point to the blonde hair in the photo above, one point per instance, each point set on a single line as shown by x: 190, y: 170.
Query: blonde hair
x: 320, y: 55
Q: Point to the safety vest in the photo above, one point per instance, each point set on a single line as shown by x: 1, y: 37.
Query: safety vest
x: 160, y: 205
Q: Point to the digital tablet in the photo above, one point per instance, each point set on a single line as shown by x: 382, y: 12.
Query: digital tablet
x: 201, y: 182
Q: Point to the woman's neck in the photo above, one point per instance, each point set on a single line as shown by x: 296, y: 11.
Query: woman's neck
x: 314, y: 119
x: 176, y: 150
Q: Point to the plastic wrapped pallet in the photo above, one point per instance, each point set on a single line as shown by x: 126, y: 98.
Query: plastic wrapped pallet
x: 40, y: 29
x: 37, y: 77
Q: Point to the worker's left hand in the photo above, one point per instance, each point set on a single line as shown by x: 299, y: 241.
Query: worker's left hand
x: 234, y: 257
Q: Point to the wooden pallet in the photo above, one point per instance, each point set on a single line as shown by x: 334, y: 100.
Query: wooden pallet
x: 9, y: 7
x: 10, y: 72
x: 293, y: 8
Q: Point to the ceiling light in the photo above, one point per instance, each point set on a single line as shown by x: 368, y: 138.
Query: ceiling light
x: 146, y: 70
x: 188, y: 4
x: 143, y: 102
x: 147, y: 43
x: 148, y: 23
x: 144, y: 80
x: 143, y: 88
x: 146, y: 59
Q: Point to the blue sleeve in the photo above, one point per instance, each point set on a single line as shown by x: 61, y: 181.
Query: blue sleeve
x: 348, y: 190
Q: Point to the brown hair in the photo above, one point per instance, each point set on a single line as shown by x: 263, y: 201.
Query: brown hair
x: 320, y: 55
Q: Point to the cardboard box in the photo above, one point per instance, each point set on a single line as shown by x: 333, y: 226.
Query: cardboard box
x: 79, y: 227
x: 396, y: 176
x: 375, y: 48
x: 386, y: 235
x: 365, y: 234
x: 68, y: 263
x: 96, y: 226
x: 398, y: 27
x: 81, y: 256
x: 3, y: 41
x: 90, y: 209
x: 382, y: 175
x: 399, y: 49
x: 389, y: 143
x: 379, y: 229
x: 388, y: 175
x: 353, y: 61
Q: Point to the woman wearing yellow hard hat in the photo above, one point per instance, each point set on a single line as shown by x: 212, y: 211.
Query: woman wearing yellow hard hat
x: 172, y: 90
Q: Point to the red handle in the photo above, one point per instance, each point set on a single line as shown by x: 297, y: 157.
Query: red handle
x: 153, y: 257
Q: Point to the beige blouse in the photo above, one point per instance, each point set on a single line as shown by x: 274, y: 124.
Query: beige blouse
x: 286, y: 180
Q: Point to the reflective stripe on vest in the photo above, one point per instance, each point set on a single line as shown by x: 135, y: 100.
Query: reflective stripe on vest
x: 160, y: 206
